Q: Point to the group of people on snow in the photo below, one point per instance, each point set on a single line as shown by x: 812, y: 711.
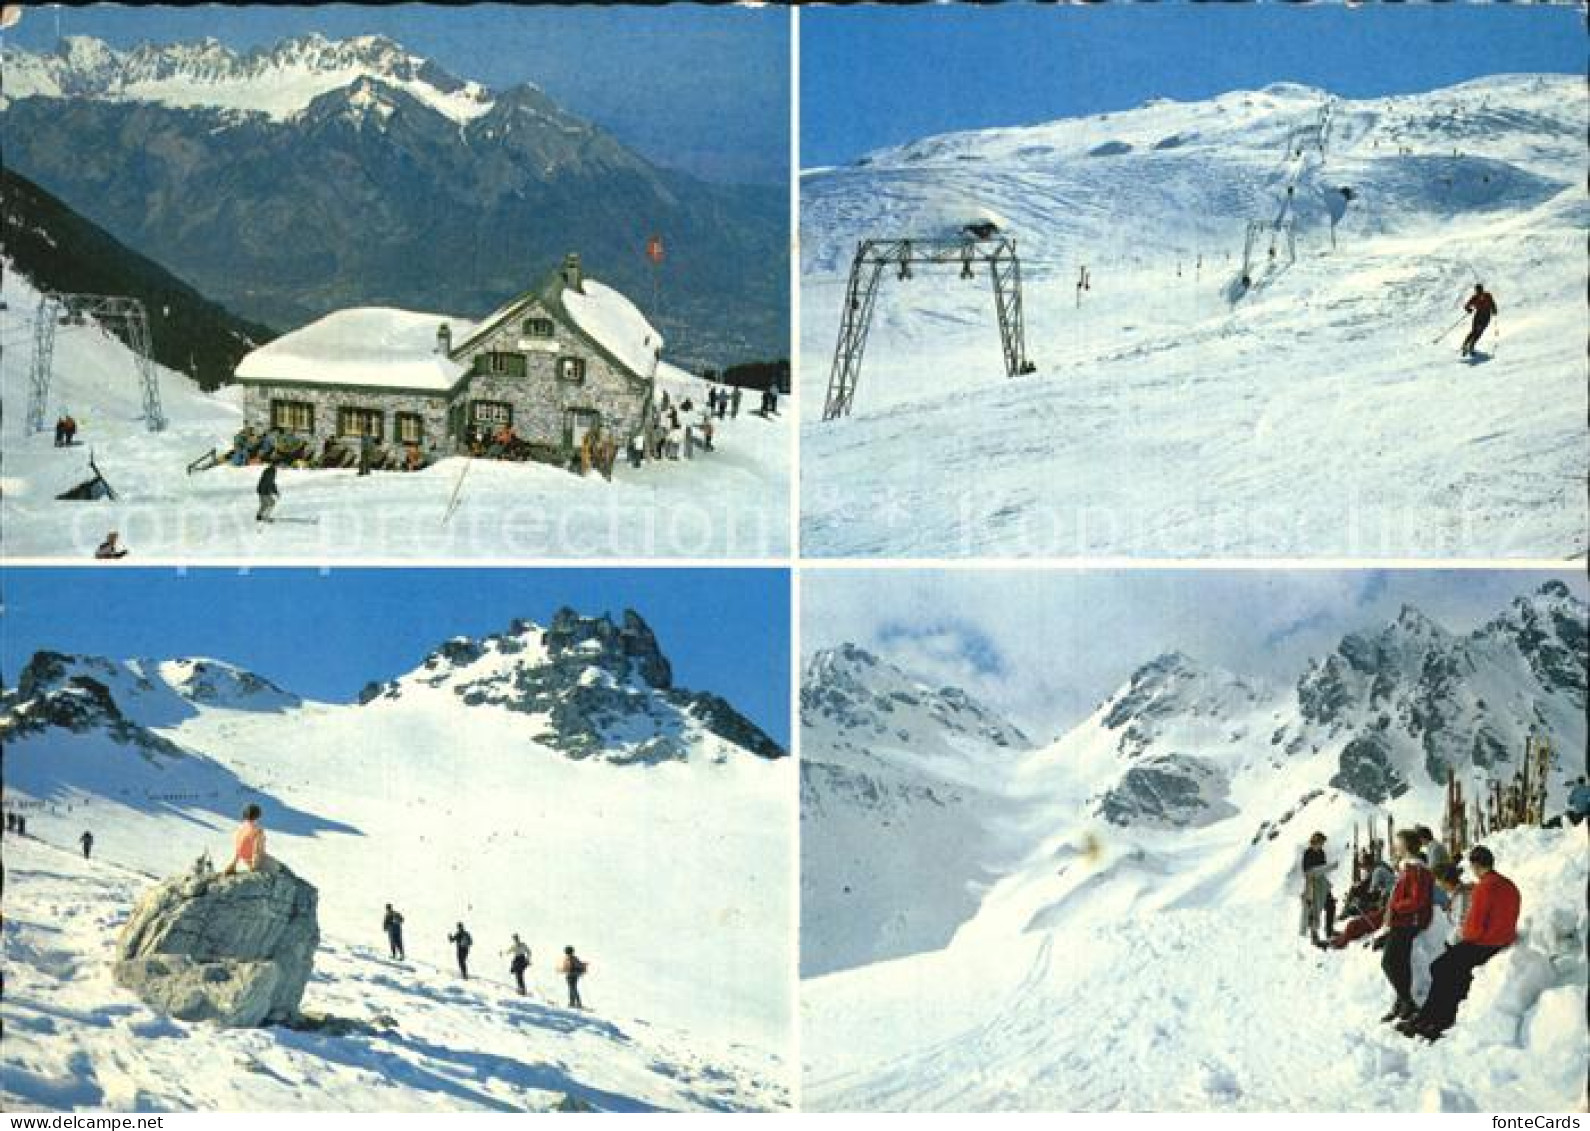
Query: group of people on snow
x: 65, y: 430
x: 248, y: 853
x: 17, y: 823
x: 1395, y: 903
x: 279, y: 446
x: 571, y: 966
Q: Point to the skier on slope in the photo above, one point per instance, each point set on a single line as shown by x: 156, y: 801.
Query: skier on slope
x: 1490, y: 926
x: 1482, y: 305
x: 392, y: 924
x: 1407, y: 913
x: 462, y: 941
x: 573, y: 969
x: 519, y: 961
x: 268, y: 493
x: 87, y: 841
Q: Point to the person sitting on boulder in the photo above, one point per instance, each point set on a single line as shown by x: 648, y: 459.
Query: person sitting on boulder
x: 249, y: 843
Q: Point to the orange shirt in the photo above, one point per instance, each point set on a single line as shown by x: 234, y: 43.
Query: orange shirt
x: 249, y: 842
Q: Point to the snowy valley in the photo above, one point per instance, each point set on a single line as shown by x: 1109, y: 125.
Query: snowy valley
x: 548, y: 780
x: 1175, y: 412
x: 1110, y: 920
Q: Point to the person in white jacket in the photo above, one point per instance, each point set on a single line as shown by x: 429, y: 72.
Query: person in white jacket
x: 1449, y: 878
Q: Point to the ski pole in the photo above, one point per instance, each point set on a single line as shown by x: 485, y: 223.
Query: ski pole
x: 1461, y: 319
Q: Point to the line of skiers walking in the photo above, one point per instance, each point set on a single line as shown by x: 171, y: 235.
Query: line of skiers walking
x: 571, y: 965
x: 1395, y: 904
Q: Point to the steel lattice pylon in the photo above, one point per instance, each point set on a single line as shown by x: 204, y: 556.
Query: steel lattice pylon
x: 861, y: 296
x: 109, y: 311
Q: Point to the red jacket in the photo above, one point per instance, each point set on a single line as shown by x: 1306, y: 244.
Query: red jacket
x: 1493, y: 912
x: 1411, y: 903
x: 1482, y: 304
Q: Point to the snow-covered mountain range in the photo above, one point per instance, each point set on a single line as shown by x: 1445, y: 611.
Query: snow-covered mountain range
x: 279, y: 81
x: 549, y: 780
x: 1016, y: 879
x: 357, y: 173
x: 1174, y: 412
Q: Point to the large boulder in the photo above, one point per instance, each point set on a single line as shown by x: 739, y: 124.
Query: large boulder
x: 236, y: 950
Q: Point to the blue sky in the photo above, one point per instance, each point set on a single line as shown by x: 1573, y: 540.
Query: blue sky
x: 1049, y: 646
x: 326, y: 635
x: 876, y: 76
x: 701, y: 88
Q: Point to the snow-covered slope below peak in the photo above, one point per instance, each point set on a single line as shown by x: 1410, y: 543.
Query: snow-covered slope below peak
x: 385, y: 1036
x: 278, y: 81
x: 451, y: 811
x: 1316, y: 412
x: 902, y: 792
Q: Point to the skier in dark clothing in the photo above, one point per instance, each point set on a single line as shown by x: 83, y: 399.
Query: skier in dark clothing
x: 268, y: 494
x: 519, y: 961
x: 461, y: 943
x: 1408, y: 912
x: 1490, y: 926
x: 87, y: 841
x: 366, y: 452
x: 1482, y: 305
x: 392, y: 924
x: 573, y: 969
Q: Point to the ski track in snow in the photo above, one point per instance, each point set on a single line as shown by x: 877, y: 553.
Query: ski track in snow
x: 732, y: 502
x: 1313, y: 417
x: 76, y: 1041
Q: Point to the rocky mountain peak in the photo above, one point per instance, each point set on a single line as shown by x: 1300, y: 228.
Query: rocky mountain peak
x: 856, y: 691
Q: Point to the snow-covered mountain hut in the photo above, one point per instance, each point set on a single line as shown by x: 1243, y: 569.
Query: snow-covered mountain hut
x: 569, y: 355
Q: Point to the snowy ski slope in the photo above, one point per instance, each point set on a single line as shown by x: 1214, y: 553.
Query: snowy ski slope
x: 1142, y: 951
x: 1172, y: 416
x: 670, y: 876
x: 733, y: 502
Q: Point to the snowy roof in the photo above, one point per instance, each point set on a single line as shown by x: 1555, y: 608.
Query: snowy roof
x: 377, y: 347
x: 614, y: 323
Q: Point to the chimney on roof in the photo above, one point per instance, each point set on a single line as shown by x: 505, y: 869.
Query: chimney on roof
x: 572, y: 277
x: 444, y: 339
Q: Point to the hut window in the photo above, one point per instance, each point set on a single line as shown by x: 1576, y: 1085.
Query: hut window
x: 409, y: 427
x: 359, y: 422
x: 508, y: 364
x: 490, y: 414
x: 539, y: 328
x: 293, y: 416
x: 571, y: 369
